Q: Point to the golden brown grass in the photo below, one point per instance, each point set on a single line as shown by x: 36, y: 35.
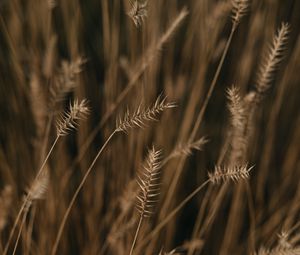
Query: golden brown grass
x: 69, y: 186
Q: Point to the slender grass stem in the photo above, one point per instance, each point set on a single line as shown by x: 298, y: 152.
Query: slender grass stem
x: 27, y: 198
x: 136, y: 234
x: 156, y: 230
x: 20, y: 231
x: 197, y: 124
x: 66, y: 215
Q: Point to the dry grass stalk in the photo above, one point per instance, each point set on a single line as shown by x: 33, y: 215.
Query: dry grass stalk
x: 239, y: 117
x: 202, y: 110
x: 37, y: 189
x: 140, y: 116
x: 148, y: 181
x: 224, y: 174
x: 240, y: 8
x: 65, y: 81
x: 142, y: 65
x: 283, y: 247
x: 138, y: 12
x: 187, y: 148
x: 135, y: 120
x: 40, y: 183
x: 69, y: 120
x: 272, y: 59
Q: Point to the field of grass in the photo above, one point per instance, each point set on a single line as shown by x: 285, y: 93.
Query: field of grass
x: 150, y: 127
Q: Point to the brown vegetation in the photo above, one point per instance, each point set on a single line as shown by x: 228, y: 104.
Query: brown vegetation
x: 113, y: 114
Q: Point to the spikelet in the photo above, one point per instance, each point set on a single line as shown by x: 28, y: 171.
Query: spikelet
x: 240, y: 8
x: 284, y: 247
x: 139, y: 118
x: 239, y: 121
x: 38, y: 189
x: 236, y: 107
x: 69, y: 120
x: 138, y: 12
x: 65, y: 81
x: 187, y: 148
x: 148, y: 181
x: 272, y: 59
x: 223, y: 174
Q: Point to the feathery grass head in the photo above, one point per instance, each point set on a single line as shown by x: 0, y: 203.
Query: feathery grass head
x: 38, y: 189
x: 69, y: 120
x: 272, y: 59
x: 239, y: 121
x: 240, y: 8
x: 148, y: 181
x: 283, y: 247
x: 138, y: 12
x: 65, y: 81
x: 187, y: 148
x: 236, y: 107
x: 140, y: 116
x: 224, y: 174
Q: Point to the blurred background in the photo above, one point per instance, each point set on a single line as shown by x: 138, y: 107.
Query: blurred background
x: 52, y: 52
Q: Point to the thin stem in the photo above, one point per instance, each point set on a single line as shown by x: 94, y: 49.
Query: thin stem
x: 136, y: 234
x: 198, y: 122
x: 173, y: 213
x: 46, y: 135
x: 30, y: 229
x: 47, y: 157
x: 64, y: 220
x: 144, y: 61
x: 200, y: 216
x: 27, y: 197
x: 207, y: 196
x: 14, y: 228
x: 20, y: 231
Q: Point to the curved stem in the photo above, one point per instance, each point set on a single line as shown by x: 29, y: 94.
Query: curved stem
x: 198, y: 121
x: 27, y: 197
x: 173, y: 213
x: 64, y: 220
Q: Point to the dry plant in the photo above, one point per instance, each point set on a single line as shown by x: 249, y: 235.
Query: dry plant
x: 39, y: 185
x: 137, y: 119
x: 85, y: 192
x: 148, y: 181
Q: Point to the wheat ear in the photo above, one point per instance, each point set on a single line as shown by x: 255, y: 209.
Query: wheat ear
x: 129, y: 121
x: 148, y: 181
x: 40, y: 183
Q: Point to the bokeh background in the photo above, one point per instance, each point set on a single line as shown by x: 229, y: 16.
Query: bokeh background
x: 52, y: 52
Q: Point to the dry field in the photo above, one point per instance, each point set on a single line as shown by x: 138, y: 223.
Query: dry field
x: 150, y: 127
